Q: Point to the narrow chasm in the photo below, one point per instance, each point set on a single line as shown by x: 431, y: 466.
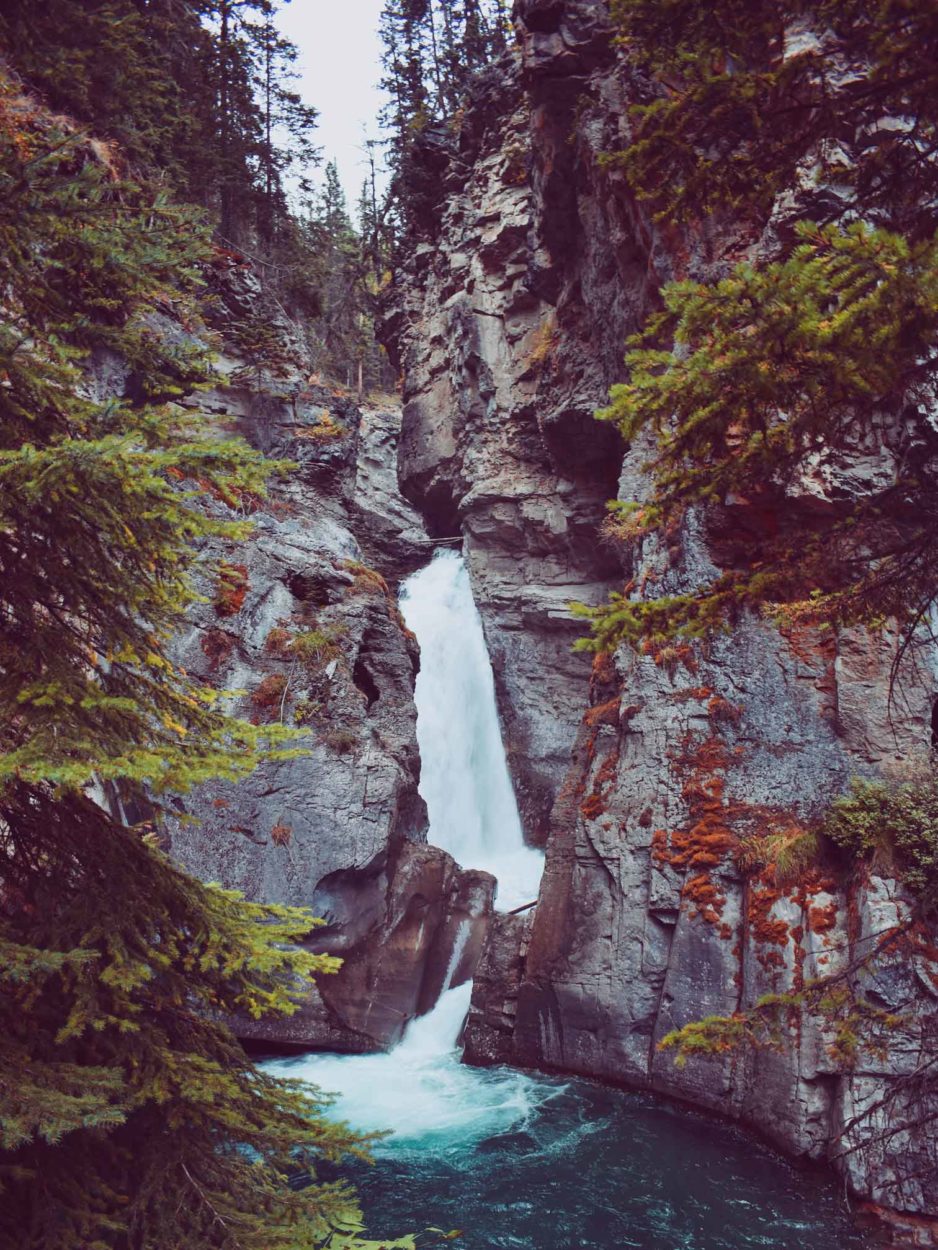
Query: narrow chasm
x: 511, y: 1157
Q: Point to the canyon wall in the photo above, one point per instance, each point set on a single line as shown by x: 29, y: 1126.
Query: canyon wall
x: 510, y: 324
x: 302, y: 628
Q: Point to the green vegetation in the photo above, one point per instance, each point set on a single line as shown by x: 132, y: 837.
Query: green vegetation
x: 889, y: 827
x: 97, y: 533
x: 198, y: 94
x: 852, y: 1024
x: 195, y: 90
x: 126, y: 1103
x: 317, y: 647
x: 894, y: 826
x: 129, y: 1115
x: 431, y: 53
x: 748, y: 381
x: 788, y: 852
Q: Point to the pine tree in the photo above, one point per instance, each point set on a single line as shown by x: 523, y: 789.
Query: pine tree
x: 432, y: 50
x: 129, y: 1116
x: 284, y: 114
x: 745, y: 382
x: 742, y: 380
x: 196, y: 90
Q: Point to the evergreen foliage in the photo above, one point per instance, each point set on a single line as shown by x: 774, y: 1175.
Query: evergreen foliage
x: 894, y: 825
x: 777, y: 376
x: 743, y: 91
x: 432, y: 49
x: 852, y: 1023
x: 130, y: 1115
x: 130, y: 1119
x: 348, y: 285
x: 96, y: 540
x: 749, y: 381
x: 195, y: 89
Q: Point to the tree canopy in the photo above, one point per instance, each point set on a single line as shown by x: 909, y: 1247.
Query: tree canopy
x: 129, y: 1116
x: 824, y: 341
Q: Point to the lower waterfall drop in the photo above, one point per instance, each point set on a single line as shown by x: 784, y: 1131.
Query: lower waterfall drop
x: 420, y: 1089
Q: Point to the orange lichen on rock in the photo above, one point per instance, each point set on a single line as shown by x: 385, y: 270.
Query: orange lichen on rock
x: 707, y: 838
x: 668, y: 655
x: 766, y: 931
x: 822, y: 919
x: 216, y: 647
x: 705, y: 898
x: 231, y: 588
x: 278, y: 642
x: 268, y: 696
x: 720, y: 709
x: 818, y: 650
x: 603, y: 784
x: 603, y: 670
x: 604, y: 713
x: 691, y: 692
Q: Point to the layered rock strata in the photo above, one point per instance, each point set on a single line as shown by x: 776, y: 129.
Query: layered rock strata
x: 301, y: 627
x: 510, y: 325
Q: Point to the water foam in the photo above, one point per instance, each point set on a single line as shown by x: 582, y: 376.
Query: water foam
x: 420, y: 1089
x: 464, y: 775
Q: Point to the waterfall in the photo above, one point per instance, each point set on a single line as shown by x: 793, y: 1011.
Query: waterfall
x: 420, y: 1089
x: 464, y: 776
x: 517, y: 1159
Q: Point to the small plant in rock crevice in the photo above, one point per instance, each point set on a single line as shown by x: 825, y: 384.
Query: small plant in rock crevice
x: 366, y: 580
x: 267, y: 698
x: 315, y: 648
x: 306, y: 709
x: 216, y: 646
x: 342, y: 741
x: 893, y: 824
x: 231, y: 588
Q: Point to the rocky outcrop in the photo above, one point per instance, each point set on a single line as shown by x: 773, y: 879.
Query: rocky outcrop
x: 498, y: 443
x: 511, y: 327
x: 301, y: 627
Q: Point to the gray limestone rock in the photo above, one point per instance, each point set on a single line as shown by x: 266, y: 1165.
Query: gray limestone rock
x: 510, y: 329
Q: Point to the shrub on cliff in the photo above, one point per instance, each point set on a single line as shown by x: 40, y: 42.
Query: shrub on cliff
x: 895, y: 826
x: 751, y: 381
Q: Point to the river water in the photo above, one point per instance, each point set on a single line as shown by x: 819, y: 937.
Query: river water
x: 517, y: 1159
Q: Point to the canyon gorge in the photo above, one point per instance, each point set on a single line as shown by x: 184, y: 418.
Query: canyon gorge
x: 637, y: 772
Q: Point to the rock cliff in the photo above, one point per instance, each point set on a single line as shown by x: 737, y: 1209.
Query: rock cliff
x: 302, y: 627
x: 510, y: 325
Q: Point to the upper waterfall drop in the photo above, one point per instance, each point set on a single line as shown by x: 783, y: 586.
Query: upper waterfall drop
x: 464, y: 777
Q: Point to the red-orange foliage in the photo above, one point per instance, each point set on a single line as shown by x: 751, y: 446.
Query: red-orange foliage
x: 267, y: 696
x: 231, y: 588
x: 216, y: 646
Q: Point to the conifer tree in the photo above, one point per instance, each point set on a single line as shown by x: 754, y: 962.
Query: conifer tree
x: 130, y: 1119
x: 743, y: 380
x: 284, y: 114
x: 198, y: 90
x: 747, y: 382
x: 432, y: 49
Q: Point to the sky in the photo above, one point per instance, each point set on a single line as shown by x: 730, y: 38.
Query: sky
x: 339, y: 65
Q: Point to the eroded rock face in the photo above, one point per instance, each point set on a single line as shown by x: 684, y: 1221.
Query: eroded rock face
x: 303, y: 623
x: 511, y: 327
x: 498, y: 441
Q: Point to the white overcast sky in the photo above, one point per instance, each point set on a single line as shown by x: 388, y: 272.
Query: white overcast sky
x: 340, y: 67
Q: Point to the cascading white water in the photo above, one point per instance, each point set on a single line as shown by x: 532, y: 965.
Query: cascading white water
x: 464, y: 775
x: 534, y: 1163
x: 420, y: 1089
